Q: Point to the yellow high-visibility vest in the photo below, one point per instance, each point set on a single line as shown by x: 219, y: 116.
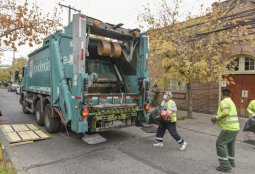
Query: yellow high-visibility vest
x: 170, y: 105
x: 251, y: 108
x: 227, y: 117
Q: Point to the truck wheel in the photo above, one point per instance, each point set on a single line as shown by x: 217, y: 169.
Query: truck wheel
x: 38, y: 114
x: 52, y: 124
x: 25, y: 111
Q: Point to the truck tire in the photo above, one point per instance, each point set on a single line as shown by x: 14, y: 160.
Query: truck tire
x: 25, y: 111
x: 38, y: 114
x: 52, y: 124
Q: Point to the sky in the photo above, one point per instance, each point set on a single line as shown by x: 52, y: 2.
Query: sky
x: 110, y: 11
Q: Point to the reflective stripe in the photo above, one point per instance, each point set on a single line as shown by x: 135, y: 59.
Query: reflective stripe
x: 222, y: 158
x: 234, y: 115
x: 229, y: 122
x: 229, y: 157
x: 157, y: 138
x: 225, y: 108
x: 179, y: 140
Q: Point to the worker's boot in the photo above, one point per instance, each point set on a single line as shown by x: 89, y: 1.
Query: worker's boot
x: 232, y: 163
x: 223, y: 169
x: 225, y: 165
x: 159, y: 144
x: 183, y: 145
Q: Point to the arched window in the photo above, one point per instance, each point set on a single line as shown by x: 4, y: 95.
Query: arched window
x: 242, y: 64
x: 249, y: 64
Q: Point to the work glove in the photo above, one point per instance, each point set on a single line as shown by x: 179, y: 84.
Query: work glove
x: 213, y: 120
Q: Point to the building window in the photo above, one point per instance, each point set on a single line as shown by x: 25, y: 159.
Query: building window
x: 233, y: 65
x: 249, y: 64
x: 242, y: 65
x: 236, y: 64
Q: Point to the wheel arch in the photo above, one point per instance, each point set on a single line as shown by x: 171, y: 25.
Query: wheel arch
x: 38, y: 97
x: 46, y: 101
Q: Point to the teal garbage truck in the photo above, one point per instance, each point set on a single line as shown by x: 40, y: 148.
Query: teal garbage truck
x: 91, y: 77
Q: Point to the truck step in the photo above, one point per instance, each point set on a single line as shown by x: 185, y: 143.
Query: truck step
x: 93, y: 139
x: 149, y: 128
x: 28, y: 100
x: 30, y: 110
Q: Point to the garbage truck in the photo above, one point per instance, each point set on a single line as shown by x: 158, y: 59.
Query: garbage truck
x: 91, y: 77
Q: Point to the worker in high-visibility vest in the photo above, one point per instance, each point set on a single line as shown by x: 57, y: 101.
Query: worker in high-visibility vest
x: 227, y: 120
x: 251, y: 109
x: 169, y: 108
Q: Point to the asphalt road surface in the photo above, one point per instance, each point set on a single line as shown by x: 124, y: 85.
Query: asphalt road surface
x: 126, y: 151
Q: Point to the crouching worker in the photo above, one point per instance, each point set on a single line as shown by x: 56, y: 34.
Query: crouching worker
x: 169, y: 118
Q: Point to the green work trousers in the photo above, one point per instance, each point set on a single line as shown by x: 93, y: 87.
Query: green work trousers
x: 225, y: 146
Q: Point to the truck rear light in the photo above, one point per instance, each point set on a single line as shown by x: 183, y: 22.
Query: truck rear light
x: 83, y: 16
x: 147, y: 106
x: 133, y: 97
x: 96, y: 23
x: 85, y: 112
x: 147, y: 63
x: 82, y: 54
x: 77, y: 97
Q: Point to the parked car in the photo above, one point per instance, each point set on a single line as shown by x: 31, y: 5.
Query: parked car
x: 13, y: 87
x: 18, y: 90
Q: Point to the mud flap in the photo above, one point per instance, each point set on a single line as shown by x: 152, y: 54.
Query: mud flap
x: 141, y: 118
x: 149, y: 129
x: 93, y: 139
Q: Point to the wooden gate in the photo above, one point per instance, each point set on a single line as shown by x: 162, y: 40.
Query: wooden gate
x: 242, y: 92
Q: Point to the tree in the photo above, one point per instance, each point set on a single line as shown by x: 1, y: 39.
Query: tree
x: 193, y: 50
x: 13, y: 70
x: 16, y: 68
x: 4, y: 76
x: 19, y: 64
x: 24, y: 23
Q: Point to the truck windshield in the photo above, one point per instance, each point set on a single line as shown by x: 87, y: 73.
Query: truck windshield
x: 104, y: 70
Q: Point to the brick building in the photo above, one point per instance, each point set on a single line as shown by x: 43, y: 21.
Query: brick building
x: 206, y: 96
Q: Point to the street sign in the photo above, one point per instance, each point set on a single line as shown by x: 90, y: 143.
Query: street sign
x: 245, y: 93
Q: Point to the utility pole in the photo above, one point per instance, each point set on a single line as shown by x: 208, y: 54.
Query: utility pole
x: 13, y: 58
x: 69, y: 11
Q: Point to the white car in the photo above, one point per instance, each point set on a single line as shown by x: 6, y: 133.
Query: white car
x: 13, y: 87
x: 18, y: 90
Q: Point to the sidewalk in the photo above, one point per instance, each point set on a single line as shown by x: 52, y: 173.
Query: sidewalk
x: 202, y: 123
x: 200, y: 156
x: 6, y: 166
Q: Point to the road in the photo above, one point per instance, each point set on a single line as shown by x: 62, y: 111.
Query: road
x: 126, y: 151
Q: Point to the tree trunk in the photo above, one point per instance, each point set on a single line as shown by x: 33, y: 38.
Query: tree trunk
x: 190, y: 103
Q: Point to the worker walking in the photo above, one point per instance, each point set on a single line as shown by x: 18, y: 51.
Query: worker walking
x: 169, y: 108
x: 227, y: 120
x: 251, y: 109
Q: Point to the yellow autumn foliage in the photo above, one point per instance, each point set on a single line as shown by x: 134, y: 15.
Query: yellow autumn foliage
x: 24, y: 23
